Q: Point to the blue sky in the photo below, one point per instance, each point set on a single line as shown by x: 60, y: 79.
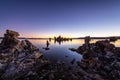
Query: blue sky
x: 74, y: 18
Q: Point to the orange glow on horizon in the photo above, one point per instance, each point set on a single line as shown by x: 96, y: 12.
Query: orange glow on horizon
x: 35, y: 35
x: 117, y: 43
x: 45, y: 36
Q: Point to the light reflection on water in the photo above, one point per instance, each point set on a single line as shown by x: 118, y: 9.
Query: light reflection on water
x: 59, y: 52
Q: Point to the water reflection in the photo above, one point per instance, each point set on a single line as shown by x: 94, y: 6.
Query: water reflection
x: 57, y: 52
x: 61, y: 52
x: 61, y: 39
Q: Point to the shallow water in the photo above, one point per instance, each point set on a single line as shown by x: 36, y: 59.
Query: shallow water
x: 61, y: 52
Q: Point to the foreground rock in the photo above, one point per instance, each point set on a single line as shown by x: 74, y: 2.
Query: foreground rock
x: 17, y: 57
x: 20, y: 60
x: 101, y: 61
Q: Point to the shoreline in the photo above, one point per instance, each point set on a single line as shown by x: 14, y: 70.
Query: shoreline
x: 72, y: 38
x: 21, y: 60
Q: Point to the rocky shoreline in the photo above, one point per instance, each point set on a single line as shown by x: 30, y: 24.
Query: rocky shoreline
x: 21, y: 60
x: 101, y: 60
x: 17, y: 58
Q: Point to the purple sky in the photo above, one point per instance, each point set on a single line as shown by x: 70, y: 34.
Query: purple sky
x: 74, y: 18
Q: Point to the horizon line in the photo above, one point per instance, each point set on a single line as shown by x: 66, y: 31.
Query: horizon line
x: 118, y: 37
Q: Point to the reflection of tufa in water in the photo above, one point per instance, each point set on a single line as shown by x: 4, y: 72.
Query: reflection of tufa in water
x: 47, y: 45
x: 50, y: 39
x: 60, y: 39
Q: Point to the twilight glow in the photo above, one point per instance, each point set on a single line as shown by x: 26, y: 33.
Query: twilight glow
x: 71, y: 18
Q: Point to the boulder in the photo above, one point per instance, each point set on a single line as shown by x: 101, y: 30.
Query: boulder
x: 101, y: 61
x: 87, y: 42
x: 72, y: 49
x: 73, y: 61
x: 10, y: 39
x: 19, y: 56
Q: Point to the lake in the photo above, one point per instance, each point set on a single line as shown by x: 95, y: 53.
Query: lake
x: 60, y: 51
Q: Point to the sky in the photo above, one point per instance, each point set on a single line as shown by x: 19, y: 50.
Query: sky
x: 70, y: 18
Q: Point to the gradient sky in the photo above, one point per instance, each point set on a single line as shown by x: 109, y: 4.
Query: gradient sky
x: 73, y: 18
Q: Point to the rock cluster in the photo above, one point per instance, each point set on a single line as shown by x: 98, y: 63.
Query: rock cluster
x: 17, y: 57
x: 101, y: 61
x: 21, y: 60
x: 10, y: 39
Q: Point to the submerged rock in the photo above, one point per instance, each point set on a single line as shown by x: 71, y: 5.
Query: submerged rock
x: 72, y: 49
x: 72, y: 62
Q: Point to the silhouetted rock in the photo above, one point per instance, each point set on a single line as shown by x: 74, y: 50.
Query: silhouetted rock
x: 21, y: 60
x: 47, y: 45
x: 87, y: 42
x: 72, y: 49
x: 100, y: 60
x: 10, y: 39
x: 72, y: 62
x: 113, y: 39
x: 17, y: 57
x: 60, y: 39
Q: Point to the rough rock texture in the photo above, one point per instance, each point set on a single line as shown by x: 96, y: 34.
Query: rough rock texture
x: 101, y: 61
x: 16, y: 57
x: 20, y: 60
x: 10, y: 39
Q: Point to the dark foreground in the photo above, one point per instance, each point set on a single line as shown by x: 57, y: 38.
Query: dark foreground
x: 20, y: 60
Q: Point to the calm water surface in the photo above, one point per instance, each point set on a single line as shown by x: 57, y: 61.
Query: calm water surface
x: 58, y: 52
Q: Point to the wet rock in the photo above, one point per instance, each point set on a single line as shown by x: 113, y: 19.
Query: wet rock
x: 72, y: 62
x: 46, y: 48
x: 72, y: 49
x: 66, y: 56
